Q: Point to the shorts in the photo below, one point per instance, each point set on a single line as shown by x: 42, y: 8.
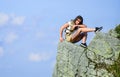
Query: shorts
x: 68, y: 37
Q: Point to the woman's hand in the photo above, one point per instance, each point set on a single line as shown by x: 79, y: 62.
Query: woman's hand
x: 61, y: 39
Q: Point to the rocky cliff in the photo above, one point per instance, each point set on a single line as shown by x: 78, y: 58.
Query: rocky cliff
x: 100, y: 59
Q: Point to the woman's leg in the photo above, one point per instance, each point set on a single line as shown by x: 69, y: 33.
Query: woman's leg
x: 84, y: 37
x: 77, y: 33
x: 81, y: 36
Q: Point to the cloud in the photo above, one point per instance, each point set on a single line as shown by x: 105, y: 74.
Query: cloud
x: 1, y: 51
x: 11, y: 37
x: 12, y: 19
x: 17, y: 20
x: 38, y: 57
x: 40, y: 35
x: 4, y: 18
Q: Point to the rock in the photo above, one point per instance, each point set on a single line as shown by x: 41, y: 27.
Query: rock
x: 100, y: 59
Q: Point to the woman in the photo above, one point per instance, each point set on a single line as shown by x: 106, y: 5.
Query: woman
x: 75, y: 31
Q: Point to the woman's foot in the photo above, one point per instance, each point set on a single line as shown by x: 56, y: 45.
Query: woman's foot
x: 83, y: 45
x: 98, y: 28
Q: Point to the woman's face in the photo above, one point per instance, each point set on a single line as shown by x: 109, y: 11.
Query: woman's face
x: 77, y: 21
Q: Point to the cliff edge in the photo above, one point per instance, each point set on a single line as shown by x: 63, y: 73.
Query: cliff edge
x: 100, y: 59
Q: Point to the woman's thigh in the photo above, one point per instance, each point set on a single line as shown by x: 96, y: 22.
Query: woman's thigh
x: 78, y: 38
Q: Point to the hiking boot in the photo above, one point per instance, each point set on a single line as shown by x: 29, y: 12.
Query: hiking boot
x: 98, y: 28
x: 83, y: 45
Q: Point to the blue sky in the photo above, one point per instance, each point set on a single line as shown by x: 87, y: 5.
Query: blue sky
x: 29, y: 31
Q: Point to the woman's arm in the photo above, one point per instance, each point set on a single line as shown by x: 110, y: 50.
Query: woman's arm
x: 61, y: 31
x: 79, y: 26
x: 82, y: 26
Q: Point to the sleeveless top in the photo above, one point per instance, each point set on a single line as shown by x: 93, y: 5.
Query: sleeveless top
x: 69, y: 30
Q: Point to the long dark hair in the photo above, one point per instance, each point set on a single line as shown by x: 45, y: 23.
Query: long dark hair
x: 79, y: 17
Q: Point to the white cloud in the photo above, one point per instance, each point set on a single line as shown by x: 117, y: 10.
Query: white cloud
x: 39, y: 35
x: 37, y: 57
x: 18, y: 20
x: 12, y: 18
x: 1, y: 51
x: 11, y: 37
x: 4, y: 18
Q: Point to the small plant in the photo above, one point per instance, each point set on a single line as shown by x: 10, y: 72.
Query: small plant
x: 115, y: 68
x: 117, y: 29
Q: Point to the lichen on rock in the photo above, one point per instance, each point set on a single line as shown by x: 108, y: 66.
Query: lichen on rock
x: 100, y: 59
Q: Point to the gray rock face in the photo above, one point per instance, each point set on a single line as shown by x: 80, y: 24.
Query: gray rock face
x: 100, y: 59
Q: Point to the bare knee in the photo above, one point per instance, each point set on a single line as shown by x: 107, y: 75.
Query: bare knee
x: 82, y: 30
x: 79, y: 30
x: 84, y: 26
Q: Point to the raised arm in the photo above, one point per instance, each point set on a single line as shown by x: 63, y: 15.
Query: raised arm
x: 82, y: 26
x: 61, y: 31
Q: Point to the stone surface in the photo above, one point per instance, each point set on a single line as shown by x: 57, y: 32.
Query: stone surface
x: 98, y: 60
